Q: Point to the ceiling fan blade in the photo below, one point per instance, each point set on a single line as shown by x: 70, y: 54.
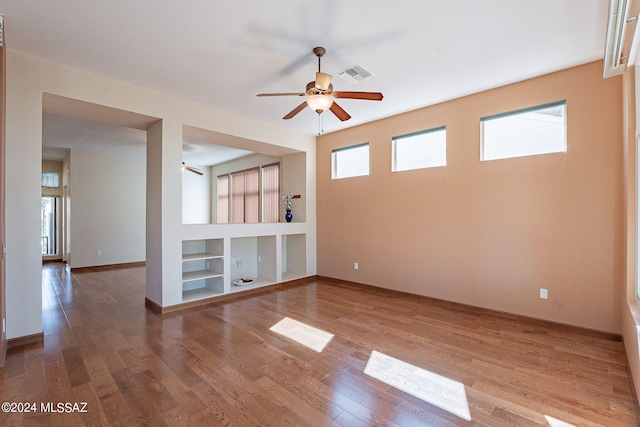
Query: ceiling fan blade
x: 194, y: 170
x: 191, y: 169
x: 323, y: 80
x: 339, y: 112
x: 281, y: 94
x: 369, y: 96
x: 295, y: 110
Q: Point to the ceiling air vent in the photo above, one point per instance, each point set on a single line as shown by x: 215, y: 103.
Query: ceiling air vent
x: 355, y: 74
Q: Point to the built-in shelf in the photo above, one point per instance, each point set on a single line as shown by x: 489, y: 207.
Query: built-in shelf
x: 258, y: 283
x: 253, y: 257
x: 202, y: 268
x: 197, y: 257
x: 200, y: 274
x: 210, y: 266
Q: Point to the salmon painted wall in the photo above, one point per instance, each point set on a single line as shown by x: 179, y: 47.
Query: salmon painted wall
x: 489, y: 234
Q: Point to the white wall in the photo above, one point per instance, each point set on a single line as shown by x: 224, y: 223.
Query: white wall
x: 27, y: 79
x: 294, y: 167
x: 22, y: 210
x: 108, y: 208
x: 196, y: 196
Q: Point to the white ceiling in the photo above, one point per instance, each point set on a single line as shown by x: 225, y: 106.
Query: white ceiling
x: 222, y: 53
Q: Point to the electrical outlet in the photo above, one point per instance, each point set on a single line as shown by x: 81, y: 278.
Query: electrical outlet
x: 98, y: 253
x: 544, y: 293
x: 355, y: 265
x: 259, y: 258
x: 239, y: 262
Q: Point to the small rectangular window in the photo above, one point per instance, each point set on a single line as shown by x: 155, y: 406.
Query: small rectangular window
x: 50, y: 180
x: 419, y: 150
x: 527, y: 132
x: 350, y: 161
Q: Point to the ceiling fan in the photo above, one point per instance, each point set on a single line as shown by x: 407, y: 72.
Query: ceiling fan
x: 185, y: 167
x: 320, y: 94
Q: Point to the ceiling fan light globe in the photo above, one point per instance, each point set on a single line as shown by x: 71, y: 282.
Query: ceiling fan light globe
x: 319, y: 103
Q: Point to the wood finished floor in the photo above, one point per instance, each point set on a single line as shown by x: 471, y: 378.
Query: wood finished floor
x: 221, y: 365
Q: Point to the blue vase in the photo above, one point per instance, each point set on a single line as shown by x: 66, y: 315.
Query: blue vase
x: 288, y: 216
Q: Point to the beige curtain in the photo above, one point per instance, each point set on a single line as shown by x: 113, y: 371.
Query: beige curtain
x: 251, y: 196
x: 237, y: 198
x: 223, y: 199
x: 271, y: 193
x: 245, y: 196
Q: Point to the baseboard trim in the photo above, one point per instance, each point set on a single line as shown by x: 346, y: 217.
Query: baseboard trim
x: 496, y: 313
x: 152, y: 306
x: 158, y: 309
x: 108, y: 267
x: 25, y: 340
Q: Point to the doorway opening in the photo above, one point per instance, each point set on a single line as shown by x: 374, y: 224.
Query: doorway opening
x: 50, y: 219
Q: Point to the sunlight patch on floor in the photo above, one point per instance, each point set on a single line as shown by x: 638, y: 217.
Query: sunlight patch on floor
x: 314, y: 338
x: 440, y: 391
x: 554, y: 422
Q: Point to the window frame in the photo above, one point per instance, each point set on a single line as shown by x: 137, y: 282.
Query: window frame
x: 334, y: 160
x: 521, y: 111
x: 399, y: 138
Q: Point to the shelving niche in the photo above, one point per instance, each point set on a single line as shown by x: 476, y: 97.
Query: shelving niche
x: 210, y: 266
x: 294, y: 256
x: 253, y: 257
x: 202, y: 268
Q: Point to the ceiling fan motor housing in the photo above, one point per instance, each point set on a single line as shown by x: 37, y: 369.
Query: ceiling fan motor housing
x: 313, y: 90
